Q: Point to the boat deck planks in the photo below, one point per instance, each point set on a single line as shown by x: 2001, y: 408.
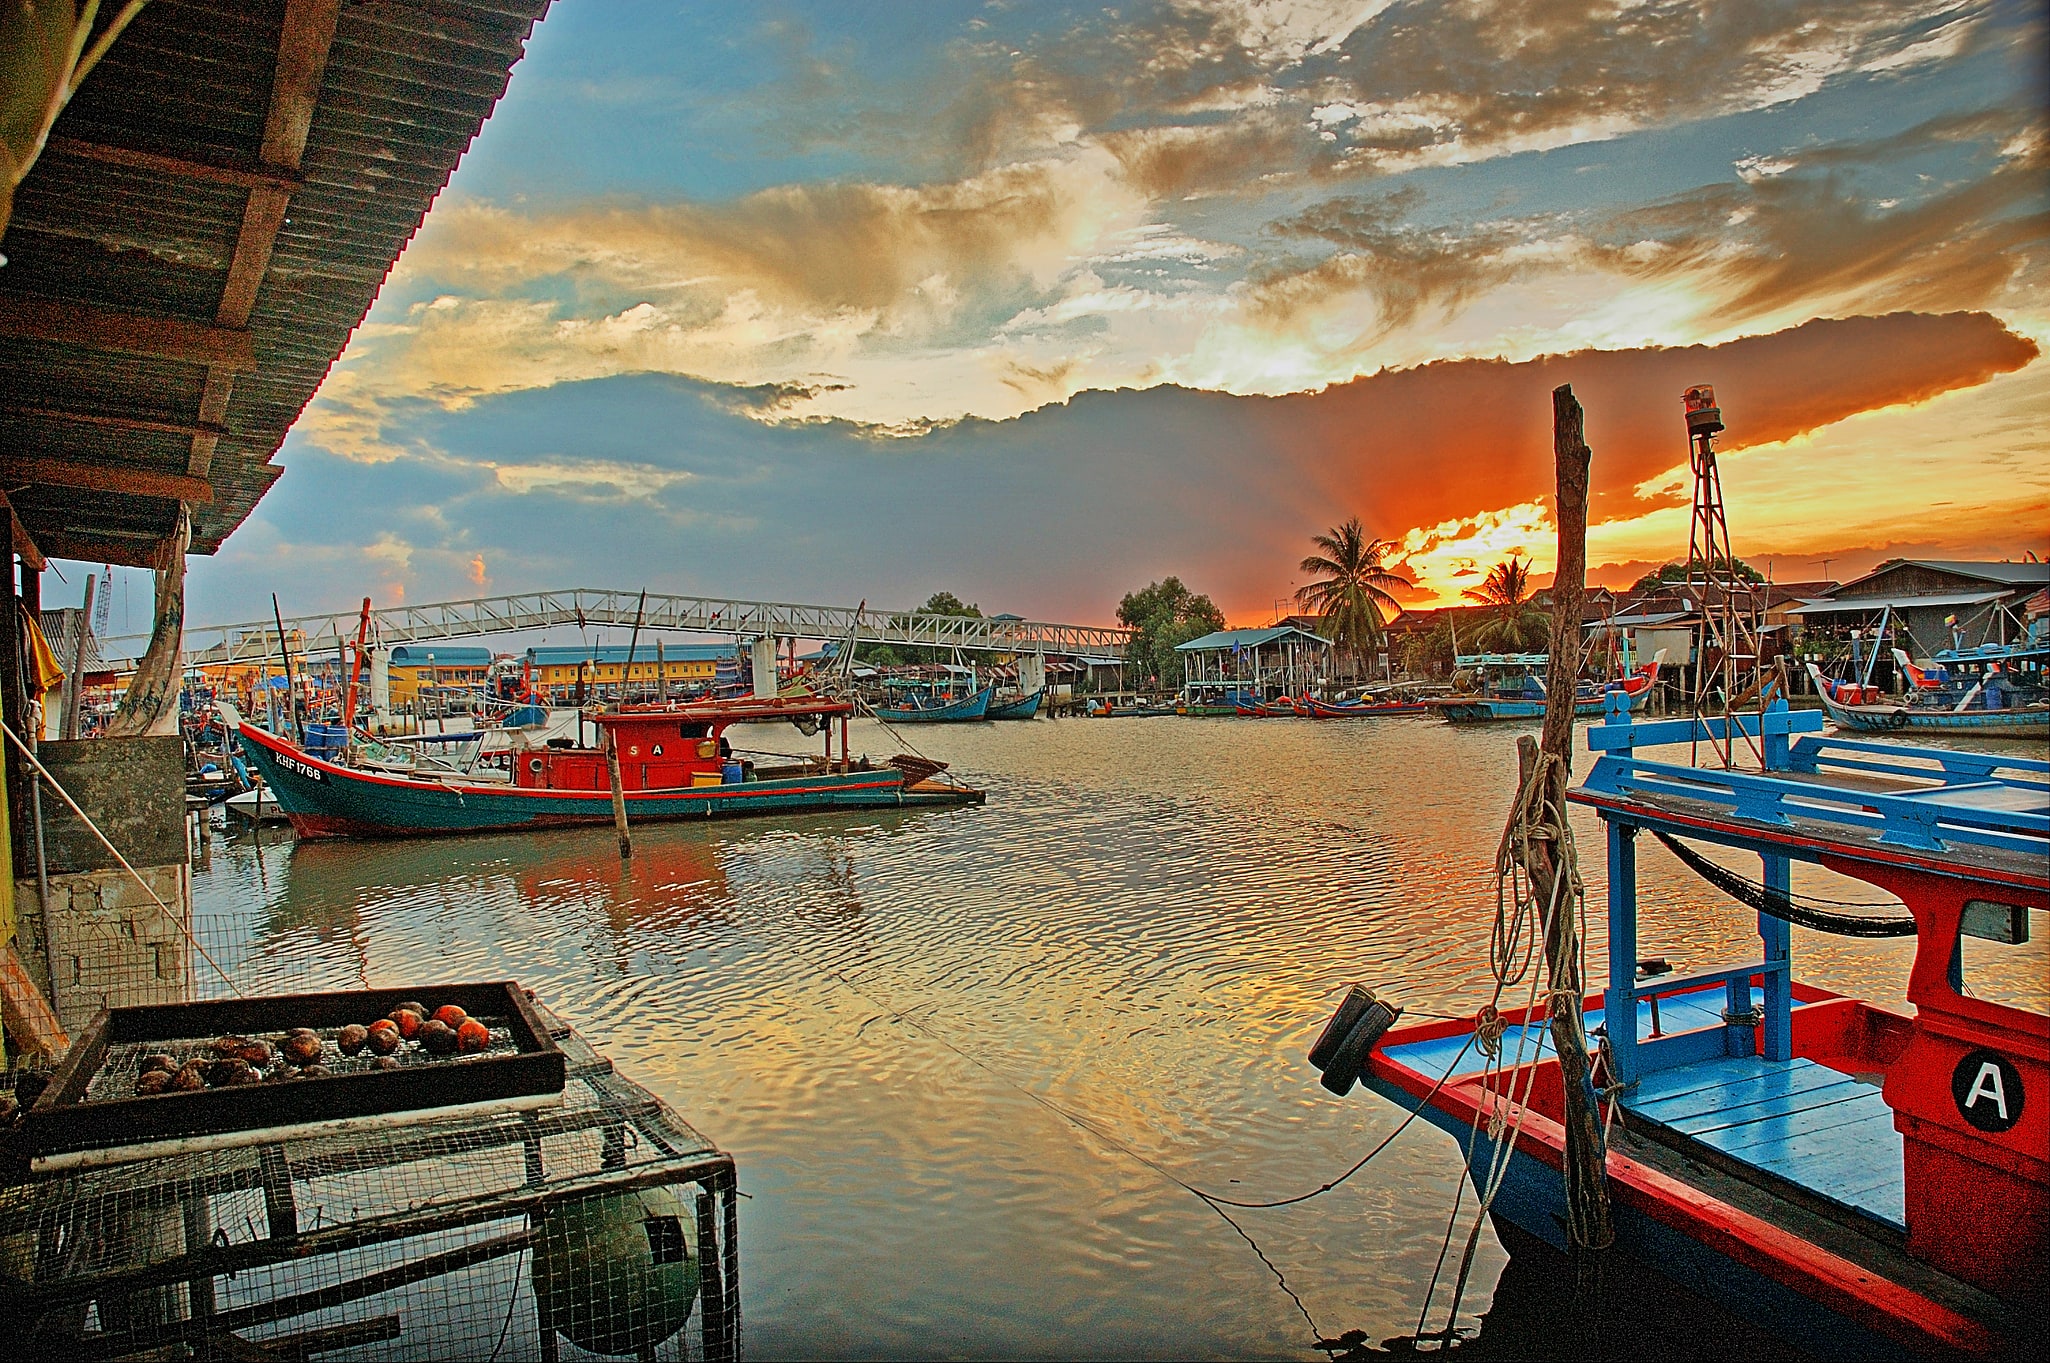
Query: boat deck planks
x: 1813, y: 1126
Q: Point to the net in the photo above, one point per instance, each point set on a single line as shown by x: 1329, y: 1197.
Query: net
x: 602, y: 1227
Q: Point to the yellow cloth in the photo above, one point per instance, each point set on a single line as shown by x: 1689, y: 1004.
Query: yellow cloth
x: 48, y: 675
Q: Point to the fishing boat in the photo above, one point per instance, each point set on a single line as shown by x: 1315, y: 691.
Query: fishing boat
x: 1108, y: 709
x: 1251, y: 708
x: 1212, y: 701
x: 1365, y: 709
x: 1016, y: 707
x: 1994, y: 690
x: 1863, y: 1181
x: 674, y: 763
x: 1508, y: 686
x: 921, y: 706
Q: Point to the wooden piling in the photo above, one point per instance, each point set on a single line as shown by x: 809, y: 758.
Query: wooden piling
x: 1587, y: 1193
x: 611, y: 747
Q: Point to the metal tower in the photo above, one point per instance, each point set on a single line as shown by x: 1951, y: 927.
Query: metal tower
x: 1727, y: 674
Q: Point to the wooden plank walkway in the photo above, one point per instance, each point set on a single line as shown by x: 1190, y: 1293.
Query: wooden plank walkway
x: 1813, y: 1126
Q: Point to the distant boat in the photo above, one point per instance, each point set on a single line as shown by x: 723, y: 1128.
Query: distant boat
x: 259, y: 806
x: 1511, y: 687
x: 1135, y: 710
x: 923, y: 707
x: 1016, y: 707
x: 673, y: 765
x: 1365, y: 709
x: 1973, y: 712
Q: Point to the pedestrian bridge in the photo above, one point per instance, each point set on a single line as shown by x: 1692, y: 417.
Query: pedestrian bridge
x: 663, y: 612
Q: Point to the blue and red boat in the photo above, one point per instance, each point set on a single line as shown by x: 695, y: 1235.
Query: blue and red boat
x: 1864, y: 1181
x: 674, y: 763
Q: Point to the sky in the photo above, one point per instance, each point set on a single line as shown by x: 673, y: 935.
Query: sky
x: 1038, y: 303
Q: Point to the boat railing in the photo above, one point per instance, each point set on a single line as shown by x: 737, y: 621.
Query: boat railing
x: 1950, y: 812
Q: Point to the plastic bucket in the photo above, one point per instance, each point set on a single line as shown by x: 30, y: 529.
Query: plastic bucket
x: 731, y: 773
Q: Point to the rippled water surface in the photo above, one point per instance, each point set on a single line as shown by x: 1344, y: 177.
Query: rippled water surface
x: 947, y: 1048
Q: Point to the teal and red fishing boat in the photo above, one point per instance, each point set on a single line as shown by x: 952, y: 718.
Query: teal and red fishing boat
x: 1864, y: 1181
x: 674, y: 763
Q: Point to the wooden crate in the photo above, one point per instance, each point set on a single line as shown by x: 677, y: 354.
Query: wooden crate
x: 64, y: 1129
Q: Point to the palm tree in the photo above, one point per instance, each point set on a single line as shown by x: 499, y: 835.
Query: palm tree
x: 1350, y: 595
x: 1516, y: 624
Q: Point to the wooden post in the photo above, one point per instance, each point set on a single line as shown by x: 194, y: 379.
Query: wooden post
x: 1587, y: 1193
x: 74, y: 691
x: 611, y: 747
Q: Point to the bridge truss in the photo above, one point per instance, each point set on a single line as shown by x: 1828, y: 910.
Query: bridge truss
x: 589, y: 606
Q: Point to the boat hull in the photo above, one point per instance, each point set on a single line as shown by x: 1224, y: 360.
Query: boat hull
x: 1752, y: 1267
x: 975, y: 707
x: 1487, y: 710
x: 1025, y: 707
x: 324, y: 800
x: 1894, y: 718
x: 1325, y: 710
x: 1532, y: 1199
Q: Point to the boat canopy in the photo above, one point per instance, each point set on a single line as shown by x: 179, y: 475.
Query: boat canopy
x: 719, y: 713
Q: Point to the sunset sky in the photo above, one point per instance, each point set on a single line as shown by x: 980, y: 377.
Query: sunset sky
x: 1036, y: 303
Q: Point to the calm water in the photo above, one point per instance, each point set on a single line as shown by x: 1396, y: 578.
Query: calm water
x: 939, y: 1043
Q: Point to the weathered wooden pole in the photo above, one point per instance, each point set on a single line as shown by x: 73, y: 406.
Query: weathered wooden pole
x: 1587, y: 1195
x: 610, y: 744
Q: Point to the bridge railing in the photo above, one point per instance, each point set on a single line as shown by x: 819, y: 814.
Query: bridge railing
x: 583, y: 606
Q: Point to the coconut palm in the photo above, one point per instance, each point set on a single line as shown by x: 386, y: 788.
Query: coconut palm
x: 1350, y: 595
x: 1515, y: 624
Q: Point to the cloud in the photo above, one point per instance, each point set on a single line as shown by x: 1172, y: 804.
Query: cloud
x: 1802, y: 231
x: 1838, y: 432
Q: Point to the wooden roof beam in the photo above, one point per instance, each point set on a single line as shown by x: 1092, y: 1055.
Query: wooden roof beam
x: 128, y: 551
x: 303, y: 45
x: 24, y: 545
x: 176, y: 167
x: 30, y: 470
x: 116, y: 423
x: 127, y: 333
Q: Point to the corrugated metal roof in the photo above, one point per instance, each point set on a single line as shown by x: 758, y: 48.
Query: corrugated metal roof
x: 123, y: 278
x: 61, y: 627
x: 2013, y: 574
x: 1872, y: 603
x: 1246, y: 638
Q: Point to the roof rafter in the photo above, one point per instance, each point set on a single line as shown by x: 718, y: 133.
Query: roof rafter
x: 17, y: 471
x: 295, y: 90
x: 128, y: 333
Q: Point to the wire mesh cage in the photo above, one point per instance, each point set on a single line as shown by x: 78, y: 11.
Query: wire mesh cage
x: 605, y: 1226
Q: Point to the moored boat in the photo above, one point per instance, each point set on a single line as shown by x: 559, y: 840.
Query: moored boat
x: 1862, y: 1181
x: 1508, y: 686
x: 674, y: 763
x: 1016, y: 707
x: 1992, y: 691
x: 926, y: 707
x: 1366, y: 709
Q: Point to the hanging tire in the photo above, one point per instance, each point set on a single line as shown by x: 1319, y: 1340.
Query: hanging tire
x: 1351, y: 1009
x: 1351, y: 1056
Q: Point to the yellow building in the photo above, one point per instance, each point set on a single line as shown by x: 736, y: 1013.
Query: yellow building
x: 554, y: 673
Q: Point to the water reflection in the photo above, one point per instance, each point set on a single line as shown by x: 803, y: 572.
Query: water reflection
x: 884, y: 1017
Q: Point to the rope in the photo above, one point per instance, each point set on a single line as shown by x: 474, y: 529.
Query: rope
x: 1773, y: 904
